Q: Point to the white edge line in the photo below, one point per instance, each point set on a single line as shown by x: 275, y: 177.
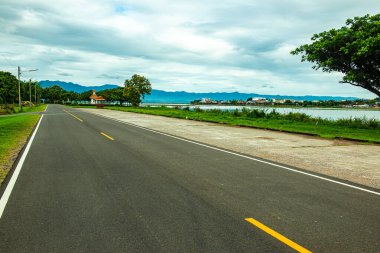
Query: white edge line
x: 8, y: 190
x: 247, y: 157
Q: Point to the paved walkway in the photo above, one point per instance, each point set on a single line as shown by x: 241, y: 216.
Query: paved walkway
x: 352, y: 161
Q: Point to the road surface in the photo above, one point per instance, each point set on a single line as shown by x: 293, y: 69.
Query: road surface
x: 91, y: 184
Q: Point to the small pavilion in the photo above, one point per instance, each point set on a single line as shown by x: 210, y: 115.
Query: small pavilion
x: 95, y: 99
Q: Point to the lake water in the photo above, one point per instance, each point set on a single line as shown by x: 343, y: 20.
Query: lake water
x: 332, y: 114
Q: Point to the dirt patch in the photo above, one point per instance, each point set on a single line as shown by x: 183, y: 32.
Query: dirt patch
x: 342, y: 143
x: 343, y: 159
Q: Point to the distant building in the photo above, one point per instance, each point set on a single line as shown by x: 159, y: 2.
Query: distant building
x: 95, y: 99
x: 361, y: 106
x: 208, y: 101
x: 205, y: 100
x: 278, y: 101
x: 257, y: 101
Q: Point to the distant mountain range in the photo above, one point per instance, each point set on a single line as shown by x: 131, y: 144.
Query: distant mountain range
x: 76, y: 87
x: 160, y: 96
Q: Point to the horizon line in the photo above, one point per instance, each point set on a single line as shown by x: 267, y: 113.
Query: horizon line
x: 215, y: 92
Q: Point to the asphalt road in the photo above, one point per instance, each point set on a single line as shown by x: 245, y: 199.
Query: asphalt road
x: 80, y: 191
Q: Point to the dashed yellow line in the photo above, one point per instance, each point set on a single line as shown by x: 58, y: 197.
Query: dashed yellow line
x: 106, y: 135
x: 278, y: 236
x: 74, y: 116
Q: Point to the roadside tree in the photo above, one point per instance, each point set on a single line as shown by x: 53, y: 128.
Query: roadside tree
x: 53, y: 94
x: 8, y: 88
x: 84, y: 95
x: 38, y: 92
x: 106, y: 94
x: 120, y: 95
x: 24, y: 88
x: 353, y: 50
x: 136, y: 88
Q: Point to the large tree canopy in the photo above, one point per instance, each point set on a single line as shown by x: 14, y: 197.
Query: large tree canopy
x: 353, y: 50
x: 8, y: 87
x: 116, y: 94
x: 135, y: 88
x: 53, y: 94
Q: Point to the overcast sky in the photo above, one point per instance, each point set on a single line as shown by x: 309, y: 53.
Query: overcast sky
x: 196, y: 45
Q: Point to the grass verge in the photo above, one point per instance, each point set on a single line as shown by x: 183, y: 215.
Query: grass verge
x: 11, y: 109
x: 37, y: 108
x: 350, y: 129
x: 14, y: 132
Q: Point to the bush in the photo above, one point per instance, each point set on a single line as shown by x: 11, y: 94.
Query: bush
x: 7, y: 109
x: 255, y: 113
x: 216, y: 111
x: 296, y: 116
x: 245, y: 111
x: 372, y: 123
x: 237, y: 113
x: 359, y: 123
x: 273, y: 115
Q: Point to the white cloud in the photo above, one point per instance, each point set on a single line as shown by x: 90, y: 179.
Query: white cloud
x: 187, y: 40
x: 180, y: 45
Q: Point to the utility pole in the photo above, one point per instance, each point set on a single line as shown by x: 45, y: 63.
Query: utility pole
x: 30, y: 93
x: 19, y: 88
x: 19, y: 85
x: 35, y: 93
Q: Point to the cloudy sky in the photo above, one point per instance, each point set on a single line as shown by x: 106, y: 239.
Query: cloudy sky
x: 196, y: 45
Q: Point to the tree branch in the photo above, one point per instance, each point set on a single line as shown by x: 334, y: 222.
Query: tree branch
x: 354, y: 84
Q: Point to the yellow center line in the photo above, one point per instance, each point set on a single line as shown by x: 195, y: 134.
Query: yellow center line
x: 106, y: 135
x: 73, y: 116
x: 278, y: 236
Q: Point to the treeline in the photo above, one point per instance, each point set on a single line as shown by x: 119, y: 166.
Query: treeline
x: 133, y: 91
x: 9, y: 89
x: 55, y: 94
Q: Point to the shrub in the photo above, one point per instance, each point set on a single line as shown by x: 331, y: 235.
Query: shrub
x: 296, y: 116
x: 236, y: 113
x: 273, y: 115
x: 245, y: 111
x: 255, y: 113
x: 8, y: 109
x: 216, y: 111
x: 359, y: 123
x: 197, y: 109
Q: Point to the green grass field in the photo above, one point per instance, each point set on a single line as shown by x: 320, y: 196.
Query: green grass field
x: 351, y: 129
x: 14, y: 131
